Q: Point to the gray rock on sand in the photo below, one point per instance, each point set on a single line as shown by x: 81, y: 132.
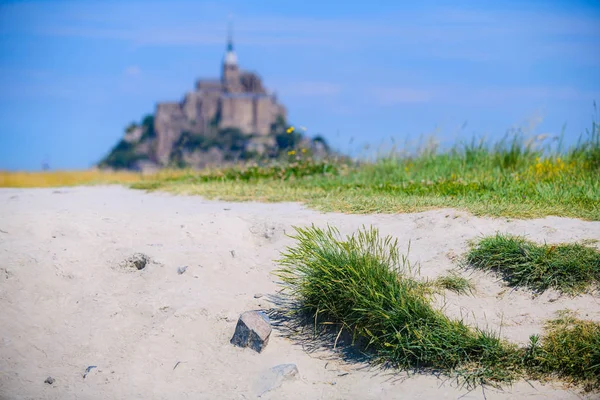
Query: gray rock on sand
x: 253, y: 330
x: 138, y: 261
x: 181, y: 270
x: 274, y: 377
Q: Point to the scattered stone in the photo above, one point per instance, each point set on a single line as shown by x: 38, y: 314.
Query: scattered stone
x: 274, y: 377
x: 49, y: 380
x: 7, y: 272
x: 178, y: 362
x: 554, y: 296
x: 253, y: 330
x: 138, y: 261
x: 88, y: 369
x: 226, y: 316
x: 269, y: 232
x: 452, y: 255
x: 181, y: 270
x: 258, y: 295
x: 232, y: 253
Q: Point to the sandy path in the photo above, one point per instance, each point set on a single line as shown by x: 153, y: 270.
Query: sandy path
x: 66, y: 305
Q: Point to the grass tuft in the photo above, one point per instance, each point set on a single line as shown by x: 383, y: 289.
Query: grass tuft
x: 362, y: 285
x: 454, y: 283
x: 570, y: 349
x: 569, y: 268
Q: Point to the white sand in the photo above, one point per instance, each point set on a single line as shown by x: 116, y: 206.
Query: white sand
x: 66, y: 305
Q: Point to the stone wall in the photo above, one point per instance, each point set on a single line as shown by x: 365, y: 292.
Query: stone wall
x: 209, y: 85
x: 237, y: 112
x: 266, y: 114
x: 169, y: 122
x: 251, y: 83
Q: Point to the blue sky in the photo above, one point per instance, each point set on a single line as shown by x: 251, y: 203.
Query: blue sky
x: 73, y: 74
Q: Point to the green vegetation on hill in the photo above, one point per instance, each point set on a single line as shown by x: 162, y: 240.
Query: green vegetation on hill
x: 569, y: 268
x: 233, y: 145
x: 122, y: 156
x: 148, y: 126
x: 230, y: 141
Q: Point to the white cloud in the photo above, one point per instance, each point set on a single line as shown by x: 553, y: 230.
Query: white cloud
x: 400, y: 95
x: 440, y: 33
x: 133, y: 70
x: 315, y: 88
x: 468, y: 96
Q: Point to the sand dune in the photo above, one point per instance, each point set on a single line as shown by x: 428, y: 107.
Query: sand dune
x: 157, y: 334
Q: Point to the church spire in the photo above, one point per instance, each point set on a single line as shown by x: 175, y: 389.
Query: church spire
x: 230, y: 36
x: 230, y: 56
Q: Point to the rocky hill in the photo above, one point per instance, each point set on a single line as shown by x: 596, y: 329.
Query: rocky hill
x: 222, y: 121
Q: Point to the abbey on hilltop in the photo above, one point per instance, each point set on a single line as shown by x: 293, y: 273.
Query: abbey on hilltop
x: 221, y: 120
x: 237, y: 100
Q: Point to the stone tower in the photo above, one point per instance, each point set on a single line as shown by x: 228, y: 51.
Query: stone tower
x: 230, y: 76
x: 238, y: 100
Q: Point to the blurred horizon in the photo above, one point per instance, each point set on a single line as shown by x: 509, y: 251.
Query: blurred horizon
x: 75, y: 74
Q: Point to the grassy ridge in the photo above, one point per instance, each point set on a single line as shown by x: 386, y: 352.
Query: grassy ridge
x: 514, y: 178
x: 510, y: 178
x: 569, y: 268
x: 362, y: 285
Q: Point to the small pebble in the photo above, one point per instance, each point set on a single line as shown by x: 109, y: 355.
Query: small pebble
x: 258, y: 295
x: 181, y: 270
x: 49, y: 380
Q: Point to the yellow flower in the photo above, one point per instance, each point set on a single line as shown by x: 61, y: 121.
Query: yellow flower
x: 290, y: 130
x: 304, y: 150
x: 291, y: 152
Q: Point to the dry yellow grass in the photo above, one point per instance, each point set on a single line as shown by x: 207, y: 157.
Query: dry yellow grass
x: 75, y: 178
x: 64, y: 178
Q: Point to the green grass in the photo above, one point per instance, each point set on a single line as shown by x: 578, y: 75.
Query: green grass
x: 454, y: 283
x: 569, y: 268
x: 363, y: 286
x: 569, y: 349
x: 512, y: 178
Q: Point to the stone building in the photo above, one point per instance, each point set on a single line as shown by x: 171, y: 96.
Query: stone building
x: 237, y: 100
